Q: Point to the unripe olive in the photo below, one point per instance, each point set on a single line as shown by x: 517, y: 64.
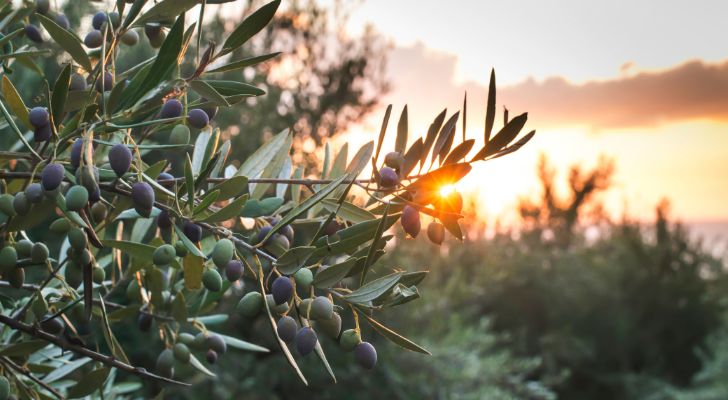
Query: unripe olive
x: 306, y: 340
x: 21, y: 204
x: 411, y: 221
x: 34, y: 193
x: 62, y: 21
x: 85, y: 257
x: 164, y: 255
x: 394, y: 160
x: 282, y: 289
x: 276, y: 308
x: 192, y: 231
x: 365, y: 355
x: 60, y: 226
x: 144, y: 322
x: 98, y: 275
x: 330, y: 327
x: 130, y: 38
x: 212, y: 280
x: 24, y: 247
x: 98, y: 211
x: 142, y: 195
x: 38, y: 116
x: 39, y: 253
x: 200, y: 341
x: 78, y: 83
x: 234, y: 270
x: 77, y: 239
x: 94, y: 39
x: 172, y: 108
x: 322, y: 308
x: 197, y: 118
x: 180, y: 249
x: 223, y: 252
x: 250, y: 305
x: 286, y: 328
x: 165, y: 363
x: 388, y: 177
x: 120, y: 159
x: 17, y: 278
x: 105, y: 84
x: 349, y: 339
x: 76, y: 198
x: 132, y: 291
x: 180, y: 135
x: 8, y: 259
x: 43, y: 133
x: 52, y: 176
x: 185, y: 338
x: 4, y: 388
x: 211, y: 356
x: 304, y: 279
x: 6, y: 204
x: 98, y: 20
x: 181, y: 352
x: 436, y: 232
x: 217, y: 343
x: 73, y: 275
x: 33, y: 33
x: 53, y: 326
x: 42, y: 6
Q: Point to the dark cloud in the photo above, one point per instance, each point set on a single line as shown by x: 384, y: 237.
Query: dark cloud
x: 693, y: 90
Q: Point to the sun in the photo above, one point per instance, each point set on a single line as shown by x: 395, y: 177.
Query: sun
x: 446, y: 190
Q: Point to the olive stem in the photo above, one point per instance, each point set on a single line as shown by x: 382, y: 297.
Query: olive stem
x: 7, y: 361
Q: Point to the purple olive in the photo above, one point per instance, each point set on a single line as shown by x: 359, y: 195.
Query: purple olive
x: 262, y: 233
x: 98, y: 20
x: 39, y: 116
x: 436, y: 232
x: 216, y: 343
x: 33, y: 33
x: 94, y: 39
x: 234, y: 270
x: 366, y: 355
x: 192, y: 231
x: 105, y: 84
x: 286, y: 328
x: 388, y: 177
x: 211, y: 356
x: 62, y: 21
x: 120, y: 159
x: 78, y: 83
x: 282, y: 289
x: 306, y: 340
x: 411, y: 221
x: 52, y: 176
x: 142, y: 195
x: 197, y: 118
x: 43, y: 134
x: 171, y: 109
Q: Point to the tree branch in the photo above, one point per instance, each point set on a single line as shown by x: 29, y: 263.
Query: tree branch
x: 7, y: 361
x: 83, y: 351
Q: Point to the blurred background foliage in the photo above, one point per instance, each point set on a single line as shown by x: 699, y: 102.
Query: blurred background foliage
x: 571, y: 306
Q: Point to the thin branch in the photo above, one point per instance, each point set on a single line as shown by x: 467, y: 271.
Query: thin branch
x: 83, y: 351
x: 7, y: 361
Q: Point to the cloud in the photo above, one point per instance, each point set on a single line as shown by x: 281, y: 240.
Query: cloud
x: 689, y: 91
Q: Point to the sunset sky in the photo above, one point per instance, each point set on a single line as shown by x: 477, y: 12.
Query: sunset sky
x: 645, y: 83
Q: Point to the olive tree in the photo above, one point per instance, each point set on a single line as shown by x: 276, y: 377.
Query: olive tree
x: 93, y: 234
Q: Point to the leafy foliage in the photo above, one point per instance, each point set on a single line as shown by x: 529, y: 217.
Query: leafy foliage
x: 98, y: 235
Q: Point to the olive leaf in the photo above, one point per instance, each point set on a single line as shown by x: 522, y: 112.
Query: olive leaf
x: 69, y: 41
x: 293, y: 259
x: 250, y: 26
x: 244, y: 63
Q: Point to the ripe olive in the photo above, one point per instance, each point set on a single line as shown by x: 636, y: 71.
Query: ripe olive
x: 306, y: 340
x: 282, y: 289
x: 388, y: 177
x: 286, y: 328
x: 172, y: 108
x: 411, y: 221
x: 142, y: 195
x: 52, y: 176
x: 120, y: 159
x: 197, y: 118
x: 365, y: 355
x: 234, y: 270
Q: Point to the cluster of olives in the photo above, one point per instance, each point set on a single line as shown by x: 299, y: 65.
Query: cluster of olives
x: 211, y: 344
x: 24, y: 253
x: 279, y: 242
x: 319, y: 310
x: 197, y: 118
x: 43, y: 7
